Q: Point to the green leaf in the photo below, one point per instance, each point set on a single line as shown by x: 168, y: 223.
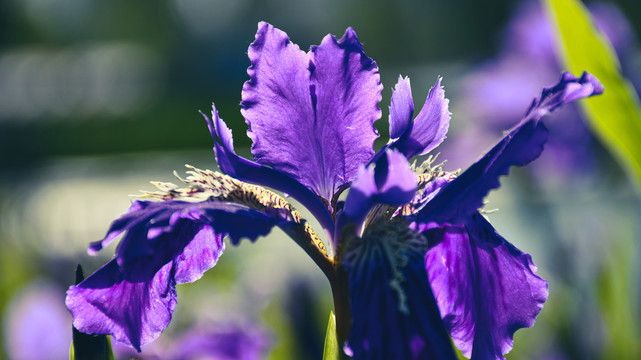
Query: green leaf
x: 615, y: 286
x: 331, y: 343
x: 615, y: 116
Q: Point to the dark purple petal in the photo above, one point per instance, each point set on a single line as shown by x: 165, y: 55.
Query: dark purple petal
x: 249, y: 171
x: 311, y: 114
x: 464, y: 195
x: 485, y: 287
x: 134, y: 313
x: 401, y: 108
x: 429, y: 128
x: 117, y: 227
x: 160, y: 232
x: 390, y: 180
x: 394, y: 313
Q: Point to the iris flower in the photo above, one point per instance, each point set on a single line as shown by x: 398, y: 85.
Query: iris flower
x: 411, y: 261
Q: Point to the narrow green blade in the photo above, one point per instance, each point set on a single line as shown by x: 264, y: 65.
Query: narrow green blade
x: 615, y: 116
x: 331, y: 343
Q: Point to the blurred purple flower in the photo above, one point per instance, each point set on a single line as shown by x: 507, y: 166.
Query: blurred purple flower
x: 36, y: 324
x: 411, y: 261
x: 210, y: 342
x: 499, y: 89
x: 229, y: 342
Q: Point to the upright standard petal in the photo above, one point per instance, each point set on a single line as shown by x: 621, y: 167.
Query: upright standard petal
x: 394, y: 312
x: 401, y: 108
x: 486, y: 288
x: 311, y: 115
x: 464, y: 195
x: 429, y: 128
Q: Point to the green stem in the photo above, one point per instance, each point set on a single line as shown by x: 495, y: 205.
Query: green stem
x: 340, y: 292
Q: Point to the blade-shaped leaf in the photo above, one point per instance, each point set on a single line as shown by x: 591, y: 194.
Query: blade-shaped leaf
x: 331, y: 343
x: 615, y: 116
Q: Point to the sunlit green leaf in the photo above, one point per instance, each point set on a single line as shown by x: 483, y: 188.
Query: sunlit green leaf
x: 331, y: 343
x: 615, y: 116
x: 615, y: 284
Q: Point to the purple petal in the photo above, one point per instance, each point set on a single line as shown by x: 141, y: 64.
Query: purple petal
x: 524, y: 143
x: 117, y: 227
x: 311, y: 115
x: 159, y: 232
x: 200, y: 255
x: 394, y: 313
x: 388, y: 181
x: 401, y: 108
x: 486, y: 288
x: 249, y: 171
x: 429, y: 128
x: 165, y: 243
x: 133, y: 313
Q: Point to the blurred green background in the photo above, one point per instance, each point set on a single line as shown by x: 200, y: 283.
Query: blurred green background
x: 98, y: 98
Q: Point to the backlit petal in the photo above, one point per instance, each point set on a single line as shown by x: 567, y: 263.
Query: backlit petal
x: 311, y: 114
x: 429, y: 127
x: 486, y: 288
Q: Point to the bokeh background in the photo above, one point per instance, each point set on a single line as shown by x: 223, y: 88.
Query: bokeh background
x: 98, y: 98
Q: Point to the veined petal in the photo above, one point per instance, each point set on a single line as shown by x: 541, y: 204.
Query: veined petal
x: 164, y: 243
x: 160, y: 231
x: 486, y: 288
x: 249, y: 171
x: 134, y: 313
x: 311, y: 115
x: 429, y: 128
x: 401, y: 108
x: 390, y: 180
x: 464, y: 195
x: 394, y: 314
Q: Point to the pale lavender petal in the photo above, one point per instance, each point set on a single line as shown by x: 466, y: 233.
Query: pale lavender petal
x: 390, y: 180
x: 37, y: 324
x: 311, y: 114
x: 401, y: 108
x: 429, y: 127
x: 524, y: 143
x: 486, y: 288
x: 133, y: 313
x: 249, y: 171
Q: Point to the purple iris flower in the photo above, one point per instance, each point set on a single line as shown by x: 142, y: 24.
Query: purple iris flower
x: 410, y: 259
